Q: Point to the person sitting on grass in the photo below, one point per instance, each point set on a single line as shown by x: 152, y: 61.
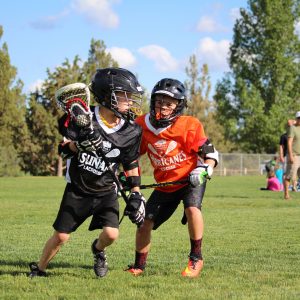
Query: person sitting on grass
x: 273, y: 183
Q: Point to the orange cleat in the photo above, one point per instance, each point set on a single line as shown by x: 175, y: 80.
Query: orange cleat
x: 193, y: 268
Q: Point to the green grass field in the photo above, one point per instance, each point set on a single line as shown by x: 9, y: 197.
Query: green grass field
x: 251, y: 247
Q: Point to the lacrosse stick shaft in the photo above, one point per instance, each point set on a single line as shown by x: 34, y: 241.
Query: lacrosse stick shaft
x: 161, y: 184
x: 113, y: 175
x: 115, y: 179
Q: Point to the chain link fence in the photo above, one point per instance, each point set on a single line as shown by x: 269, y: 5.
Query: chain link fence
x: 229, y: 164
x: 242, y: 164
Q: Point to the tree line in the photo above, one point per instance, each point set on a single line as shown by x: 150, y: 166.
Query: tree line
x: 248, y: 110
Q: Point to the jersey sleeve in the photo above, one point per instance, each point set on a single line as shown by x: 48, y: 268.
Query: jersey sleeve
x: 195, y: 135
x: 132, y: 152
x: 140, y: 121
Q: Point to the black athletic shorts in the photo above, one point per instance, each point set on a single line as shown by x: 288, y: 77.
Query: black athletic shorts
x: 75, y: 208
x: 161, y: 206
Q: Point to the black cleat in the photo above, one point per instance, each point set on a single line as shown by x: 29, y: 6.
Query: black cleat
x: 35, y: 271
x: 100, y: 265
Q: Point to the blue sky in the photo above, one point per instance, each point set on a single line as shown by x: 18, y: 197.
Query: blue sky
x: 154, y: 38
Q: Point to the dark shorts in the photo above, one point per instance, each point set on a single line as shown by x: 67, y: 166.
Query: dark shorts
x: 161, y: 206
x: 75, y: 208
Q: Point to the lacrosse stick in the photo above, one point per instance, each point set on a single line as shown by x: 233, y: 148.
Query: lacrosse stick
x: 122, y: 180
x: 154, y: 185
x: 161, y: 184
x: 74, y: 99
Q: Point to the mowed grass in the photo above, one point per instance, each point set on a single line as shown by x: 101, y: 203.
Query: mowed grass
x: 251, y: 247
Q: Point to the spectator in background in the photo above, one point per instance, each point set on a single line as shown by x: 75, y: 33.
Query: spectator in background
x: 279, y: 173
x: 273, y: 183
x: 293, y: 155
x: 283, y: 152
x: 270, y: 165
x: 283, y: 149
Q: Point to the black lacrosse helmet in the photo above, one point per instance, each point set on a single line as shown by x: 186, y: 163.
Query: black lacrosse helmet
x: 173, y: 88
x: 106, y: 82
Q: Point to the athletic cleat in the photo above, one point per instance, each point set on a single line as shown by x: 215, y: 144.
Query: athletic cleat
x: 134, y: 271
x: 35, y: 271
x: 193, y: 268
x: 100, y: 265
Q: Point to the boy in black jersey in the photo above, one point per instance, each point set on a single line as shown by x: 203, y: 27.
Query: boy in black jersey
x: 90, y: 189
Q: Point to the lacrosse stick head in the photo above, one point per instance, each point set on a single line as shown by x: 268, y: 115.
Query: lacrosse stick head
x: 74, y: 99
x: 105, y: 85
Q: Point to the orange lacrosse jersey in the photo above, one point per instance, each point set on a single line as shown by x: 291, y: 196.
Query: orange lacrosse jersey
x: 173, y: 150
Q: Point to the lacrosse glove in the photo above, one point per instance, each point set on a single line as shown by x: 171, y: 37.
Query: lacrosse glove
x: 200, y: 174
x: 135, y: 209
x: 89, y: 143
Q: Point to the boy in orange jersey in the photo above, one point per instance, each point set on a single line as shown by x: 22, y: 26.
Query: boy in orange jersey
x: 178, y: 149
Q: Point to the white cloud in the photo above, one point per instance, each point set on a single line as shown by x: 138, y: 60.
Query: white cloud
x: 123, y: 56
x: 37, y: 85
x: 98, y: 11
x: 48, y: 22
x: 208, y: 24
x: 163, y: 60
x: 213, y: 53
x: 235, y: 14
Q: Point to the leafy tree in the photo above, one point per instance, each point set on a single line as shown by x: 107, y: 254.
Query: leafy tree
x: 42, y: 150
x: 200, y: 106
x: 13, y: 131
x: 42, y: 117
x: 261, y: 92
x: 98, y: 58
x: 43, y: 113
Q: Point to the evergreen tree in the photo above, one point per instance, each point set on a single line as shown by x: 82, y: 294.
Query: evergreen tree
x: 98, y: 58
x: 262, y: 90
x: 13, y: 131
x: 42, y: 151
x: 200, y: 106
x: 42, y: 117
x: 44, y: 113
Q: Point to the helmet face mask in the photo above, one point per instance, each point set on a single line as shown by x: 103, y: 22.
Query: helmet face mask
x: 162, y: 95
x: 111, y: 85
x: 126, y: 104
x: 165, y: 107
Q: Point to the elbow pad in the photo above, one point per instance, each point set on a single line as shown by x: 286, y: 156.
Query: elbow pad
x: 64, y: 150
x: 214, y: 156
x: 208, y: 151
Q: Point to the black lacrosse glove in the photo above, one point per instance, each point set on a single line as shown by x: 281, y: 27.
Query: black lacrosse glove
x: 89, y: 142
x: 135, y: 209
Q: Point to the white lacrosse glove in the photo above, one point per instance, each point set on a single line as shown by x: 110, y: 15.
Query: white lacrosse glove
x: 200, y: 174
x: 135, y: 209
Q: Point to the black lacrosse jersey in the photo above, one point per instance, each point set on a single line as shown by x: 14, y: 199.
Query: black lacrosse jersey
x: 86, y: 171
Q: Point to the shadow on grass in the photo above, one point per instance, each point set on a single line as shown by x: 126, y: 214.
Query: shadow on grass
x: 25, y: 264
